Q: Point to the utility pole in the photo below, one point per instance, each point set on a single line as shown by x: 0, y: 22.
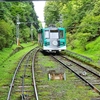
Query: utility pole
x: 17, y: 30
x: 31, y: 33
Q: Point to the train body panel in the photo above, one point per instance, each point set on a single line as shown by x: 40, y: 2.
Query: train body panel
x: 52, y: 39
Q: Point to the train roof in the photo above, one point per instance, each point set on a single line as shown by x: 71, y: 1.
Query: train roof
x: 53, y: 28
x: 50, y: 28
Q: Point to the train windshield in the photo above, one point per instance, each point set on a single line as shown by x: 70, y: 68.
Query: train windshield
x: 61, y: 34
x: 54, y: 34
x: 47, y: 36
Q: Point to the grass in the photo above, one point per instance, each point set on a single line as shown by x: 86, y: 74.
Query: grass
x: 7, y: 68
x: 71, y: 89
x: 5, y: 53
x: 92, y: 51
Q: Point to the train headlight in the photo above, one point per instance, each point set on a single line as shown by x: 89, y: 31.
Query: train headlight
x: 61, y: 42
x: 47, y: 43
x: 55, y: 43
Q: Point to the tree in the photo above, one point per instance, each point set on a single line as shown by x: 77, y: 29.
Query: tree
x: 51, y: 12
x: 5, y: 34
x: 8, y: 14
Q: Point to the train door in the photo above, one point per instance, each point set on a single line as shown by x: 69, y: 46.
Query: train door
x: 54, y: 36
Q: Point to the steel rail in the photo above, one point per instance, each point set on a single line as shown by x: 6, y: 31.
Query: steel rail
x: 12, y: 82
x: 24, y: 75
x: 34, y: 82
x: 98, y: 75
x: 92, y: 86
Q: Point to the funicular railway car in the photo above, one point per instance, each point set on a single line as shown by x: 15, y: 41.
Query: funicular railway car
x: 52, y: 39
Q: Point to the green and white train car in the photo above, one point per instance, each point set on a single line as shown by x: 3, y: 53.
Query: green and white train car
x: 52, y: 39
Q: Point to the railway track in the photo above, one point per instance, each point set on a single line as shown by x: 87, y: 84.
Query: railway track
x: 23, y: 85
x: 55, y: 82
x: 90, y: 77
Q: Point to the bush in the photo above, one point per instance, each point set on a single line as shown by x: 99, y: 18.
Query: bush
x: 5, y: 34
x: 83, y: 39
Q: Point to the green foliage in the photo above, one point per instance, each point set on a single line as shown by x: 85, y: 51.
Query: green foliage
x: 83, y: 38
x: 40, y: 25
x: 96, y: 10
x: 2, y: 42
x: 8, y: 13
x: 5, y: 34
x: 90, y: 24
x: 7, y: 68
x: 35, y: 34
x: 70, y: 39
x: 78, y: 40
x: 93, y: 49
x: 77, y: 16
x: 94, y: 46
x: 81, y: 18
x: 51, y: 12
x: 25, y: 34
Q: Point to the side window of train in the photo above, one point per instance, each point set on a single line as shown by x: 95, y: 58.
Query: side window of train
x: 47, y: 36
x: 61, y: 34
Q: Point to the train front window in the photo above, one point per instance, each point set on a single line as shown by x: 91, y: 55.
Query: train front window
x: 61, y: 34
x: 47, y: 35
x: 54, y: 34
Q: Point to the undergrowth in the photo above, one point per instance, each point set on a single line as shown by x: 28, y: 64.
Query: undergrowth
x: 92, y: 51
x: 8, y: 65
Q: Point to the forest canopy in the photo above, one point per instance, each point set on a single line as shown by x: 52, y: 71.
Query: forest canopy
x: 9, y: 13
x: 81, y: 18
